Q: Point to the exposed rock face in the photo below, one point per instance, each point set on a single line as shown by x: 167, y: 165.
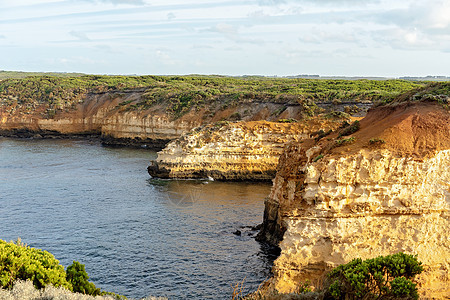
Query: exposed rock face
x: 387, y: 190
x: 233, y: 151
x: 101, y: 114
x: 109, y: 114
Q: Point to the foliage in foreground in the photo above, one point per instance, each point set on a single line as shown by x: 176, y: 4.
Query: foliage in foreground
x: 383, y: 277
x: 20, y: 262
x: 17, y: 261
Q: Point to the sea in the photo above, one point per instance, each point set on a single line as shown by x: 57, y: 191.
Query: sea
x: 137, y: 236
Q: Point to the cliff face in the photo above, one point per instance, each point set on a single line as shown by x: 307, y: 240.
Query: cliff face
x: 111, y: 115
x: 383, y: 189
x: 233, y: 151
x: 103, y: 114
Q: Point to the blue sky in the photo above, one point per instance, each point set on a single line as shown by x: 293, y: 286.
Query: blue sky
x: 229, y: 37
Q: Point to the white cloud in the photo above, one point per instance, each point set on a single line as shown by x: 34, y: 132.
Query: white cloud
x: 171, y: 16
x: 319, y: 36
x: 117, y: 2
x: 438, y: 14
x: 232, y: 33
x: 399, y: 38
x: 164, y: 57
x: 202, y: 47
x: 81, y: 36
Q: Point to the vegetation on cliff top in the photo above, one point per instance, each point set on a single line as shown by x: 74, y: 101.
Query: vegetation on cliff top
x: 433, y: 92
x: 181, y: 93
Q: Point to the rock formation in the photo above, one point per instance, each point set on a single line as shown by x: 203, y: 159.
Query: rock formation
x: 233, y: 151
x: 110, y: 114
x: 100, y: 113
x: 381, y: 188
x: 149, y: 111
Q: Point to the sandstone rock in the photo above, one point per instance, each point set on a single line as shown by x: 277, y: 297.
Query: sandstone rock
x: 233, y: 151
x: 336, y: 202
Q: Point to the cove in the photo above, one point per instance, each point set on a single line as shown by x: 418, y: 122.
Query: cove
x: 137, y: 236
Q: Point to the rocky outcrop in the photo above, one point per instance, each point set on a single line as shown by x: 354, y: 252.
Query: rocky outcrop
x: 376, y: 191
x: 233, y: 150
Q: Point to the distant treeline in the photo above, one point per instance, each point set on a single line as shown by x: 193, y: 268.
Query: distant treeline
x: 18, y: 74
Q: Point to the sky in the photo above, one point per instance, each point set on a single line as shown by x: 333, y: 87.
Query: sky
x: 228, y: 37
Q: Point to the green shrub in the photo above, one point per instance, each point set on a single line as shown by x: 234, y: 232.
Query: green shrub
x: 342, y: 142
x: 321, y: 134
x: 18, y: 261
x: 352, y: 128
x: 287, y: 121
x: 376, y: 141
x: 77, y: 276
x: 380, y: 277
x: 320, y: 156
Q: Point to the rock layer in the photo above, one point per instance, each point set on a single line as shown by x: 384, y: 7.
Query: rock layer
x: 233, y: 151
x: 101, y: 114
x: 111, y: 114
x: 385, y: 189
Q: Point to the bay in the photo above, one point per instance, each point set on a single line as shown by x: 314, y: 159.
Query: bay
x: 137, y: 236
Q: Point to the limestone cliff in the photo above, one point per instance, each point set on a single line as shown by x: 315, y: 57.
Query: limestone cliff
x: 100, y: 113
x: 151, y: 110
x: 112, y: 115
x: 234, y: 151
x: 381, y: 188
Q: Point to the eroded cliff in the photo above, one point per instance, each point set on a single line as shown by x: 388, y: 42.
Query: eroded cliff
x: 101, y: 114
x: 151, y: 110
x: 110, y: 115
x: 381, y: 189
x: 234, y: 150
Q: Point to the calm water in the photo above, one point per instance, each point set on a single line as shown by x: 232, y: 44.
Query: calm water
x: 136, y: 236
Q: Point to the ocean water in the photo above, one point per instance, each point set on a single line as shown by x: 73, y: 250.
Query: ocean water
x: 137, y: 236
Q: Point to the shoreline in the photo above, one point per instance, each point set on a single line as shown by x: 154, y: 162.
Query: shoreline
x: 104, y: 140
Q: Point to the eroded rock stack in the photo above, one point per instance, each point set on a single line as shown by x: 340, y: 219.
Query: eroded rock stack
x: 382, y: 189
x: 233, y: 150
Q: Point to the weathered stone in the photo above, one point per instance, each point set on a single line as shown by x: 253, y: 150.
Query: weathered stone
x: 361, y: 200
x: 233, y: 151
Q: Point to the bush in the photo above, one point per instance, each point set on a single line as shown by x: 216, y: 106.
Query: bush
x: 77, y: 276
x: 352, y: 128
x: 287, y: 121
x: 342, y: 142
x: 388, y: 276
x: 376, y: 141
x: 18, y: 261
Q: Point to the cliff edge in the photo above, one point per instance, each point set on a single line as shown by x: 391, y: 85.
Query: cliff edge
x: 375, y: 187
x: 150, y: 111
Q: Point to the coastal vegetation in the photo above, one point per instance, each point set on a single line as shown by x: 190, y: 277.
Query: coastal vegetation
x: 42, y: 269
x: 390, y: 276
x: 182, y: 93
x: 433, y: 92
x: 383, y: 277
